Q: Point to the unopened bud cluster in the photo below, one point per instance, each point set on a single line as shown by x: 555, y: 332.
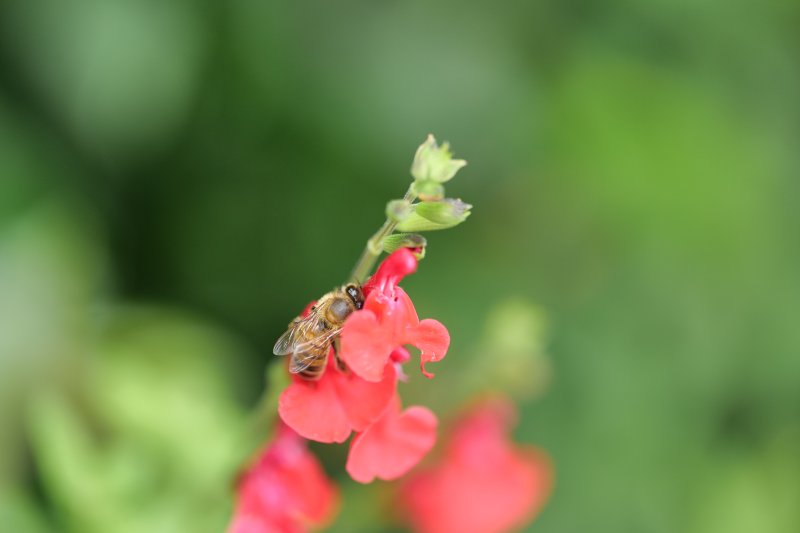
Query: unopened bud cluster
x: 432, y: 167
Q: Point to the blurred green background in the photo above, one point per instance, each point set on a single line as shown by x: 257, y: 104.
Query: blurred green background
x: 177, y: 180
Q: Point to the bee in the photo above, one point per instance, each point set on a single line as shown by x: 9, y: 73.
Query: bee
x: 309, y: 338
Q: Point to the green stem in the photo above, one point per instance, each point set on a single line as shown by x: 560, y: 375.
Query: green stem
x: 374, y: 246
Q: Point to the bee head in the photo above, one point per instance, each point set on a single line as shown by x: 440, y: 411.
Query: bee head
x: 355, y: 294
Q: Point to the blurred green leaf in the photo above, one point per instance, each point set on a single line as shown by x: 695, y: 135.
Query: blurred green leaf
x: 51, y: 268
x: 19, y: 514
x: 512, y: 353
x: 745, y: 492
x: 160, y: 444
x: 116, y: 91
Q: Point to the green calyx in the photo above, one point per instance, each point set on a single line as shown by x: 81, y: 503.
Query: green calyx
x: 428, y: 190
x: 430, y: 216
x: 405, y: 240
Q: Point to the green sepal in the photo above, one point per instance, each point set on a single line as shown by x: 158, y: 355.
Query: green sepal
x: 405, y: 240
x: 430, y: 216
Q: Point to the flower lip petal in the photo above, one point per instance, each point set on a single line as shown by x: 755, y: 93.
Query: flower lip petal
x: 393, y: 444
x: 313, y: 410
x: 432, y: 339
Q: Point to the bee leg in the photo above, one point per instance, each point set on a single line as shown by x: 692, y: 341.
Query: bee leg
x: 339, y: 363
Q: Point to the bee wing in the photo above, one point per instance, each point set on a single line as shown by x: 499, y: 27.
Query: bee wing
x: 301, y: 360
x: 305, y: 353
x: 299, y: 330
x: 286, y: 342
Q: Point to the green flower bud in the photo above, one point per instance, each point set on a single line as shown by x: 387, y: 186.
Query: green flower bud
x: 428, y: 190
x: 429, y: 216
x: 398, y: 210
x: 405, y: 240
x: 435, y: 163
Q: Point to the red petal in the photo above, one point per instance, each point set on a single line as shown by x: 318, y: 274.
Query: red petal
x: 500, y: 498
x: 393, y: 269
x: 364, y: 402
x: 482, y: 437
x: 284, y: 491
x: 410, y: 317
x: 393, y: 445
x: 365, y: 345
x: 484, y: 483
x: 503, y: 498
x: 329, y: 409
x: 313, y: 410
x: 432, y: 338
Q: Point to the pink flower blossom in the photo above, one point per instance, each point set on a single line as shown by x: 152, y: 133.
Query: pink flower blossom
x: 284, y: 491
x: 388, y: 321
x: 483, y: 483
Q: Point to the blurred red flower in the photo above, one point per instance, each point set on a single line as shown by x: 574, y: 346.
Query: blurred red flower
x: 483, y: 483
x: 393, y: 445
x: 327, y: 410
x: 387, y: 321
x: 284, y: 491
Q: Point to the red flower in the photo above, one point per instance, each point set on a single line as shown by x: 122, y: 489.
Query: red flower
x: 392, y: 445
x: 363, y: 397
x: 327, y: 410
x: 483, y: 483
x: 285, y: 490
x: 387, y: 321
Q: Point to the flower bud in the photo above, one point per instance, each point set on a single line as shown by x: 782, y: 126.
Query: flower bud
x: 428, y: 190
x: 414, y: 241
x: 429, y: 216
x: 435, y: 163
x: 398, y: 210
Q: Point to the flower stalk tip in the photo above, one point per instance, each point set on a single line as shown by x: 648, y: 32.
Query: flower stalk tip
x: 435, y: 163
